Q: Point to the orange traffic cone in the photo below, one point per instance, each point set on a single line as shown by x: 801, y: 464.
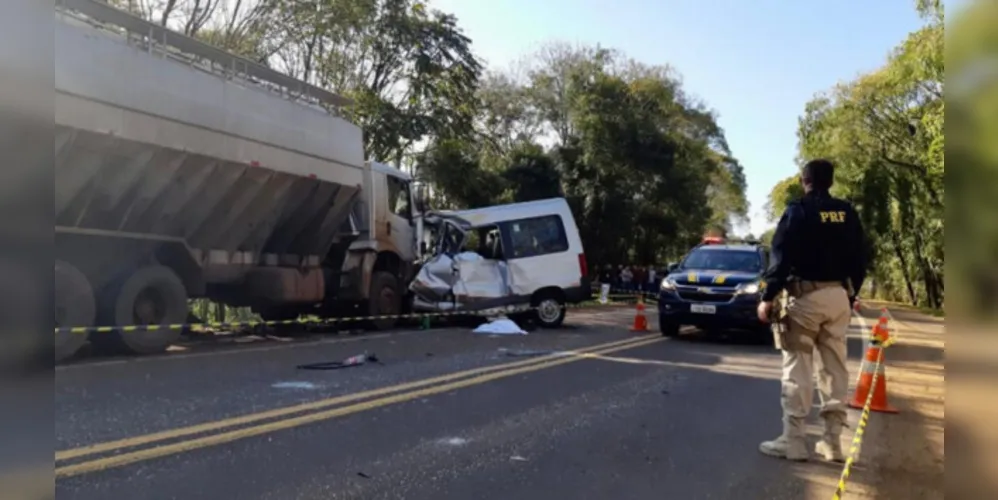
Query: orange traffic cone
x: 881, y: 333
x: 872, y: 375
x: 640, y: 321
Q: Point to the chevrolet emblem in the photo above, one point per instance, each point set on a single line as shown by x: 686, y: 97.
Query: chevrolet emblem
x: 705, y: 290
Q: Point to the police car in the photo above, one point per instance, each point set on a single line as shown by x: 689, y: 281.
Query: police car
x: 716, y: 285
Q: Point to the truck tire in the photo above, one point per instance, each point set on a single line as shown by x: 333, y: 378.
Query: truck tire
x: 75, y: 305
x: 385, y: 299
x: 152, y: 295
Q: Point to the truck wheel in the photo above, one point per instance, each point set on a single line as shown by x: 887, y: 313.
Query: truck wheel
x: 153, y: 295
x: 384, y: 300
x: 74, y: 306
x: 549, y: 310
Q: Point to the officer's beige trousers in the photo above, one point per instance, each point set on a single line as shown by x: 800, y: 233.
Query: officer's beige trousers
x: 826, y: 314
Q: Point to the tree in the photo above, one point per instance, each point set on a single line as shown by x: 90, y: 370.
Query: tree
x: 506, y: 117
x: 409, y: 69
x: 782, y: 194
x: 531, y: 175
x: 644, y: 165
x: 884, y: 132
x: 645, y: 168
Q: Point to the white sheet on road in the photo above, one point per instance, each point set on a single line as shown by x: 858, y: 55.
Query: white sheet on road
x: 500, y: 327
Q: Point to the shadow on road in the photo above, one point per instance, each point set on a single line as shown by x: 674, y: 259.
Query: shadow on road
x: 730, y: 338
x: 910, y: 353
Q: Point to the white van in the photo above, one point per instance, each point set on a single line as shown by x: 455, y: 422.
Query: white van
x: 510, y: 258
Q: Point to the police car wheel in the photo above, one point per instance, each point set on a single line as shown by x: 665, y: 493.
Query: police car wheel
x: 668, y: 328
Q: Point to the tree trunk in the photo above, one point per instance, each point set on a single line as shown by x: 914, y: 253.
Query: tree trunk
x: 904, y: 266
x: 928, y: 274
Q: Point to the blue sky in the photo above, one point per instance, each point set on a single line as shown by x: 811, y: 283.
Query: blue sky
x: 757, y: 62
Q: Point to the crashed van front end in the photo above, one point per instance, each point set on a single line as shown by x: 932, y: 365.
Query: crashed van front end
x: 455, y: 279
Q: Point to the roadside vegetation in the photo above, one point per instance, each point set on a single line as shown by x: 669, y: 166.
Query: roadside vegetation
x: 884, y: 130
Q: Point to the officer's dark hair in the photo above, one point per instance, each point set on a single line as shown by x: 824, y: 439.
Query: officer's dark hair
x: 819, y: 174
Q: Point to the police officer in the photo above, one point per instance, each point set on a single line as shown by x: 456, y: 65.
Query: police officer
x: 818, y: 257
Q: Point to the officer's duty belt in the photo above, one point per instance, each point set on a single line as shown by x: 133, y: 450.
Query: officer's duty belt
x: 801, y: 288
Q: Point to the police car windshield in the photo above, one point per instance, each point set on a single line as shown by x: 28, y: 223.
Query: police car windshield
x: 723, y: 260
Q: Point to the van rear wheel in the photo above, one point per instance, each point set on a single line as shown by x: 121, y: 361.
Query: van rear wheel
x: 549, y: 310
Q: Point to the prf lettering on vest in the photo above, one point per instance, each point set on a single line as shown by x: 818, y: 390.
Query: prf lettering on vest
x: 833, y: 217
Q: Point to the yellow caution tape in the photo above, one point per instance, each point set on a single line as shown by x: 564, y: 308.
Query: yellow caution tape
x: 631, y: 293
x: 300, y: 321
x: 857, y: 438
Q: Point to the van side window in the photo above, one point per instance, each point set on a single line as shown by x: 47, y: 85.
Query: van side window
x: 484, y: 241
x: 536, y: 236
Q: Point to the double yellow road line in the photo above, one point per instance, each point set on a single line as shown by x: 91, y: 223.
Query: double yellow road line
x: 193, y: 437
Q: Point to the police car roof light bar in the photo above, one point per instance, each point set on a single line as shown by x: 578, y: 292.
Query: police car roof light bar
x: 746, y: 242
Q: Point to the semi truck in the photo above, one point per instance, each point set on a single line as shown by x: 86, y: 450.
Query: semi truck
x: 183, y: 171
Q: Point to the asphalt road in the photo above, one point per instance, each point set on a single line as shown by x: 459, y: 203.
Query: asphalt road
x: 447, y: 415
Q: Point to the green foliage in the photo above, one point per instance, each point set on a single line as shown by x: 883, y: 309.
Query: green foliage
x: 530, y: 174
x: 409, y: 69
x: 884, y: 131
x: 645, y: 166
x: 646, y: 170
x: 782, y: 194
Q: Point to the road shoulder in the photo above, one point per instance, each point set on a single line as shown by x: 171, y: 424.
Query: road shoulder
x: 902, y: 455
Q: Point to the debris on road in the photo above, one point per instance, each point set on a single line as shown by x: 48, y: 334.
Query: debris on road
x: 454, y: 441
x: 357, y: 360
x: 365, y: 476
x: 500, y: 326
x: 517, y: 458
x: 295, y: 385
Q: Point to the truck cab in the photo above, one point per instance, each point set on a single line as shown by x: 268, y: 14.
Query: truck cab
x: 380, y: 261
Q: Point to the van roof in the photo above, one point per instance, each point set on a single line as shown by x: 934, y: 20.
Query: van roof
x: 499, y: 213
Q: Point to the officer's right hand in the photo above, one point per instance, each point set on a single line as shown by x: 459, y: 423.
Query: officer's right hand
x: 764, y: 310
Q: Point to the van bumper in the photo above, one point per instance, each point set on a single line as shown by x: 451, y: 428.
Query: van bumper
x: 581, y: 293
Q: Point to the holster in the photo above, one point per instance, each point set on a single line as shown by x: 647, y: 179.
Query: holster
x: 788, y: 335
x: 779, y: 322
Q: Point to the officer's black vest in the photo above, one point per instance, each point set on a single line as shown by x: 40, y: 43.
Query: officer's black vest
x: 826, y: 245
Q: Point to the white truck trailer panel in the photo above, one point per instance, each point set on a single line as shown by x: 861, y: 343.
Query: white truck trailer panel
x: 147, y: 143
